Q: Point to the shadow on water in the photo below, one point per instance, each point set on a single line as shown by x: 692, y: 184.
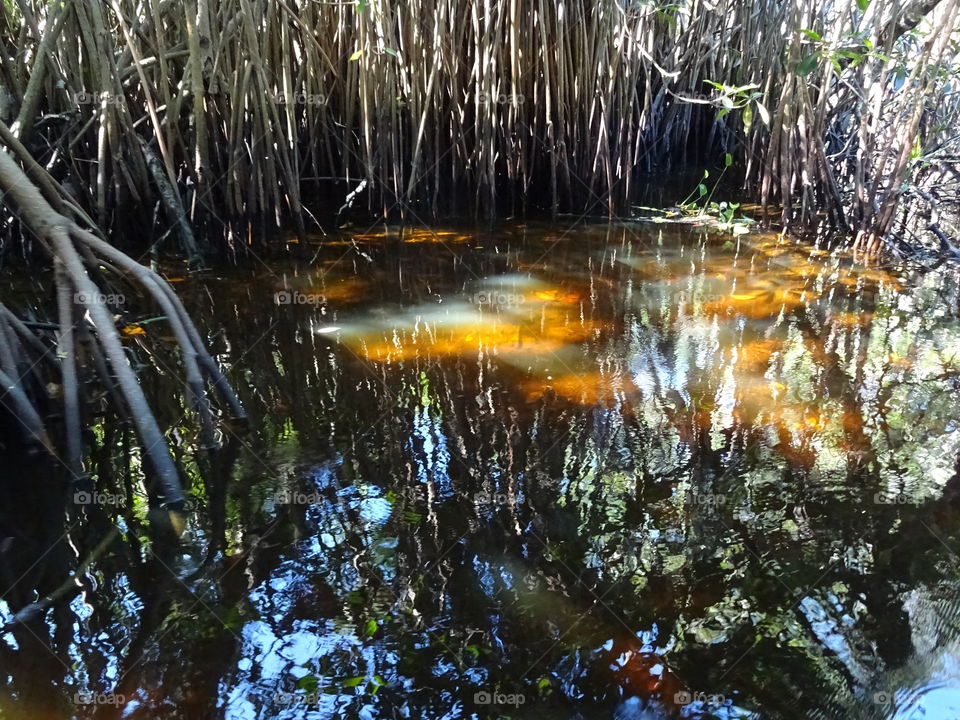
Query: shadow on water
x: 627, y: 471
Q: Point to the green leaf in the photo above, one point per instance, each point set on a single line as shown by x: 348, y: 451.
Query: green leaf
x: 807, y: 65
x: 354, y: 681
x: 747, y: 118
x: 727, y: 102
x: 727, y: 160
x: 863, y: 5
x: 391, y: 51
x: 723, y: 111
x: 764, y: 114
x: 370, y: 628
x: 308, y: 683
x: 811, y: 34
x: 356, y: 55
x: 702, y: 189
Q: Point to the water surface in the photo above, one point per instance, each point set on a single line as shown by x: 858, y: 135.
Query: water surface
x: 552, y: 472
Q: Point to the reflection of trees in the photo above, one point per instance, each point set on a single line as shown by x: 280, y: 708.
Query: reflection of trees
x: 499, y: 540
x: 593, y: 506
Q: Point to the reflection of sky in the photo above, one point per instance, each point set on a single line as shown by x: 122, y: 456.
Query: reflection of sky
x: 432, y: 462
x: 933, y: 702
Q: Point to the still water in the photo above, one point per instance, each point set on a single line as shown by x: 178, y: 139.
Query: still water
x: 548, y: 472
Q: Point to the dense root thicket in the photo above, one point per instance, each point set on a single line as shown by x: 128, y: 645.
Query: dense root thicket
x: 835, y: 111
x: 81, y: 354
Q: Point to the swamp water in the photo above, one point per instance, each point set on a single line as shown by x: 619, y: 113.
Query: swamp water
x: 550, y: 472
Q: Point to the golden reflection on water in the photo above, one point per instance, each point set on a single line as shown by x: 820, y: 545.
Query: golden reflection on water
x: 534, y: 332
x: 739, y: 304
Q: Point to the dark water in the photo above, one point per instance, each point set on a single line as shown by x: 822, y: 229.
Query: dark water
x: 545, y: 473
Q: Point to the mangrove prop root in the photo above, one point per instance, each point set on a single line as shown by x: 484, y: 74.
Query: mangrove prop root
x: 74, y: 250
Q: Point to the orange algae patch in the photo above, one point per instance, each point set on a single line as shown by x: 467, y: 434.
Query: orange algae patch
x: 496, y: 337
x: 347, y: 289
x: 558, y: 296
x: 413, y: 235
x: 755, y: 305
x: 850, y: 319
x: 588, y: 388
x: 755, y: 356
